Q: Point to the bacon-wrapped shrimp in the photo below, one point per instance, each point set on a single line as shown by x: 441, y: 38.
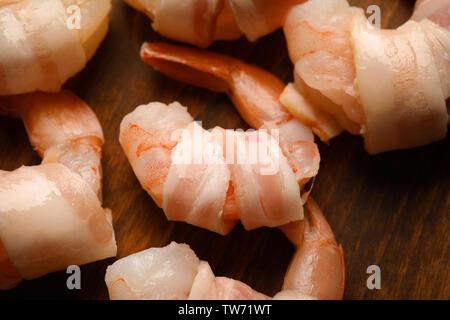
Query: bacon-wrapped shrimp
x: 333, y: 90
x: 209, y: 179
x: 255, y: 93
x: 42, y: 44
x: 51, y: 214
x: 390, y: 86
x: 316, y: 271
x: 201, y: 22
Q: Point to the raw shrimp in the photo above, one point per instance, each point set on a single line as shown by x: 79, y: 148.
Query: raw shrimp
x: 254, y: 91
x: 333, y: 90
x: 390, y: 86
x: 175, y: 272
x: 51, y: 215
x: 317, y: 268
x: 201, y: 22
x: 437, y: 11
x: 41, y: 49
x: 196, y: 176
x: 62, y: 128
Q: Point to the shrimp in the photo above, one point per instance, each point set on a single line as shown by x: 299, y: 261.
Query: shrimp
x: 317, y: 268
x: 436, y: 11
x: 201, y: 22
x: 42, y: 40
x: 254, y: 91
x: 207, y: 178
x: 62, y: 128
x: 332, y: 90
x: 316, y: 272
x: 390, y: 86
x: 51, y: 214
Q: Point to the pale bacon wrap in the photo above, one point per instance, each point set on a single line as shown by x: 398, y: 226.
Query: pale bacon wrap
x: 399, y: 87
x: 390, y: 86
x: 50, y: 218
x: 38, y: 49
x: 175, y: 272
x: 266, y: 190
x: 201, y: 22
x: 196, y: 186
x: 191, y: 21
x: 256, y: 18
x: 198, y: 22
x: 188, y: 172
x: 51, y: 215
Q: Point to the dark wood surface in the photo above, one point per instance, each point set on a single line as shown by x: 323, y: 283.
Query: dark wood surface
x: 391, y: 210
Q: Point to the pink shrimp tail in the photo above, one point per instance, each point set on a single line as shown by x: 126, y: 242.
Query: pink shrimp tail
x: 254, y: 91
x: 317, y: 268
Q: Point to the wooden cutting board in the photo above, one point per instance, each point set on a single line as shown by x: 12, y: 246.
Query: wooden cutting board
x: 390, y: 210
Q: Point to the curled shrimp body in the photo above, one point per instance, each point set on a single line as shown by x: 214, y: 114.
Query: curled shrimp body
x: 188, y: 172
x: 390, y: 86
x: 201, y: 22
x: 51, y: 214
x: 242, y: 194
x: 62, y: 128
x: 48, y: 41
x: 316, y: 271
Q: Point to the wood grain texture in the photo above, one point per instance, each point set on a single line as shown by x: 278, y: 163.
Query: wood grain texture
x: 391, y: 210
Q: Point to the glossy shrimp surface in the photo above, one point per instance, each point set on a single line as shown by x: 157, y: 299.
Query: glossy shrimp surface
x: 317, y: 268
x: 333, y: 91
x: 47, y: 41
x: 254, y: 91
x: 175, y: 272
x: 201, y: 22
x: 318, y: 44
x: 211, y: 194
x: 62, y: 128
x: 390, y: 86
x: 51, y: 214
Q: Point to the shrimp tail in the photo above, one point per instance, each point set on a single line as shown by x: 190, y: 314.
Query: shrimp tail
x: 248, y: 86
x: 189, y: 65
x: 317, y: 268
x: 254, y: 92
